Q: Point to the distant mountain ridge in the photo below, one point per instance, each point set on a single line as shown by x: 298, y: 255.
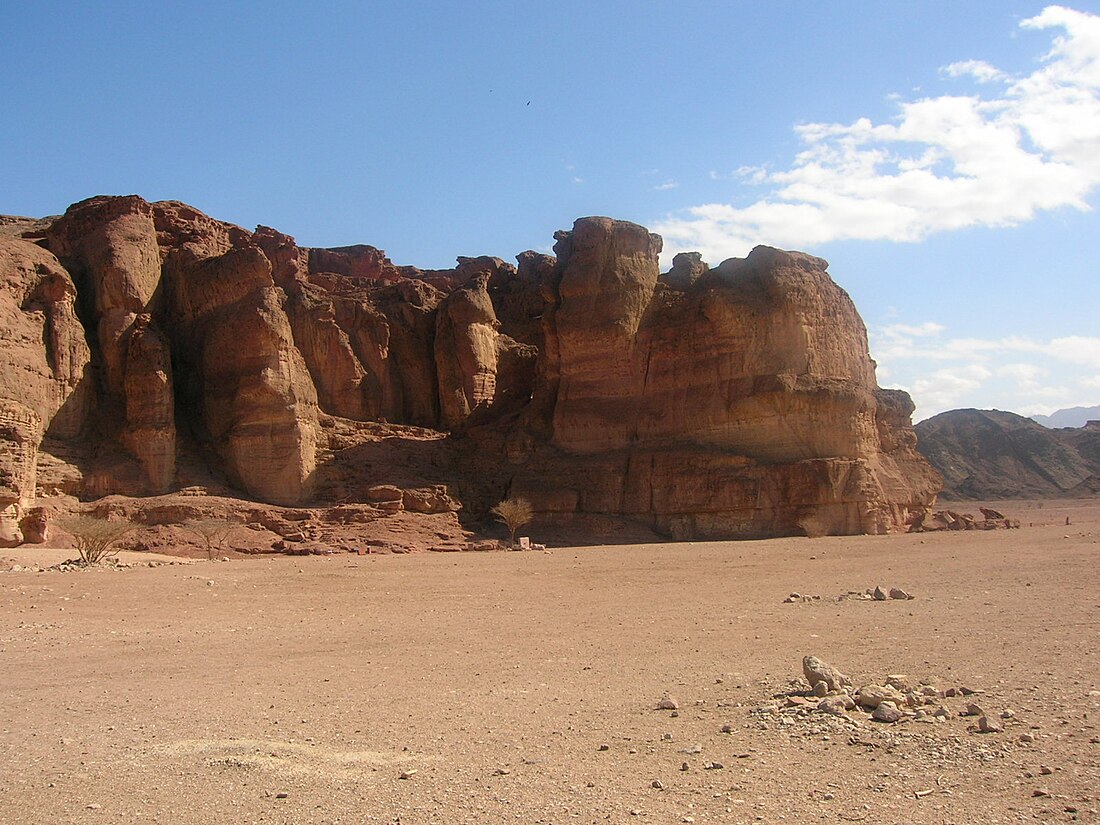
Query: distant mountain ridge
x: 1070, y: 417
x: 990, y: 454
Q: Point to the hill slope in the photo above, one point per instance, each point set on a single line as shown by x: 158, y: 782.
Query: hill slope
x: 989, y: 454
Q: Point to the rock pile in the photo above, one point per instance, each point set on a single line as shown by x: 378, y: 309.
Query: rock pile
x: 894, y: 699
x: 877, y: 594
x: 951, y: 520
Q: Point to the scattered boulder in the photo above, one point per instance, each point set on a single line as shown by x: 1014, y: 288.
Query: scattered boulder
x: 988, y: 724
x: 815, y: 670
x: 871, y: 696
x: 834, y: 705
x: 887, y: 712
x: 668, y: 703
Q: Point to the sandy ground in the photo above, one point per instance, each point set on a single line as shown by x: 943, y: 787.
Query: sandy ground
x: 523, y: 687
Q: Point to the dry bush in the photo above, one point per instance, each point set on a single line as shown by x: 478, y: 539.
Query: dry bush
x: 514, y: 513
x: 95, y: 537
x: 214, y: 532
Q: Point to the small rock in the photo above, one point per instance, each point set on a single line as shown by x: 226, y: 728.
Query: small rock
x: 898, y: 593
x: 656, y: 783
x: 94, y: 806
x: 604, y: 746
x: 834, y: 705
x: 879, y: 595
x: 668, y: 703
x: 409, y: 774
x: 1026, y: 739
x: 815, y: 670
x: 887, y: 712
x: 898, y: 682
x: 987, y: 725
x: 684, y: 766
x: 713, y: 766
x: 281, y: 795
x: 972, y: 710
x: 820, y: 689
x: 1042, y: 792
x: 1008, y: 714
x: 871, y: 696
x: 1045, y: 770
x: 727, y: 728
x: 501, y: 772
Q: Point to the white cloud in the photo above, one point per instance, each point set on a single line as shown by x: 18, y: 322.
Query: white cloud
x: 1019, y: 373
x: 668, y: 184
x: 1026, y: 375
x: 944, y: 163
x: 978, y: 69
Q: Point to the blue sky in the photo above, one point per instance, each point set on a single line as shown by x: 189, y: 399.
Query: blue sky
x: 943, y: 156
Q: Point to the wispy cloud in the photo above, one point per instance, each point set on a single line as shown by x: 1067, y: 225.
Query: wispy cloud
x: 668, y: 184
x: 1031, y: 144
x: 1025, y: 374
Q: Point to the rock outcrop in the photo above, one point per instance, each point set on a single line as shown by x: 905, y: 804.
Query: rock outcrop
x: 43, y: 360
x: 742, y: 404
x: 732, y: 401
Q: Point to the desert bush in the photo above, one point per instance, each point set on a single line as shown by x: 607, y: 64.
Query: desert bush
x: 514, y: 513
x: 95, y: 538
x: 213, y: 531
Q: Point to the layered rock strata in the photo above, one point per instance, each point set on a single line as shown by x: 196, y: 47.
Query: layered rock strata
x: 738, y: 400
x: 43, y: 361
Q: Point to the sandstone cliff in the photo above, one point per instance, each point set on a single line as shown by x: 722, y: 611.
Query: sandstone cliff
x: 150, y: 347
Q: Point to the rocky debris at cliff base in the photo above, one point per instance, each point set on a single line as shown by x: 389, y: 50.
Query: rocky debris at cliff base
x: 951, y: 520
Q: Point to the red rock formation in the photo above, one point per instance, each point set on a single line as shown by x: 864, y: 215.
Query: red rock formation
x: 733, y: 401
x: 244, y: 376
x: 43, y: 357
x: 466, y: 352
x: 745, y: 405
x: 110, y: 247
x: 150, y: 433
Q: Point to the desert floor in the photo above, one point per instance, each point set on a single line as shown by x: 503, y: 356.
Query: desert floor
x: 523, y: 687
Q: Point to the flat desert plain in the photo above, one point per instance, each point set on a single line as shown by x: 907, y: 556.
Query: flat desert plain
x: 524, y: 687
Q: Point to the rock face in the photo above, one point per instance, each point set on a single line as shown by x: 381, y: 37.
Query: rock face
x: 43, y: 360
x: 732, y: 401
x: 989, y: 454
x: 744, y: 404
